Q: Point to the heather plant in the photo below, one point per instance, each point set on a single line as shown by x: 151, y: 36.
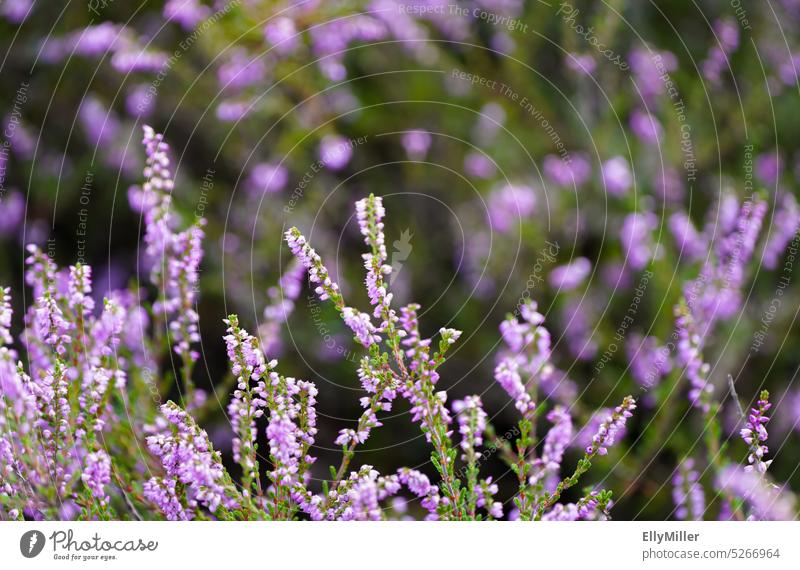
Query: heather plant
x: 632, y: 210
x: 83, y: 434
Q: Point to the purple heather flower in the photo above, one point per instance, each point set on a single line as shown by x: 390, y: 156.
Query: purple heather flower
x: 755, y: 435
x: 231, y: 110
x: 617, y: 177
x: 16, y: 11
x: 716, y: 293
x: 100, y: 124
x: 12, y: 212
x: 281, y: 304
x: 636, y: 239
x: 768, y: 168
x: 610, y: 428
x: 163, y: 494
x: 187, y: 455
x: 528, y: 355
x: 97, y: 475
x: 5, y: 316
x: 419, y: 484
x: 648, y: 67
x: 370, y: 213
x: 571, y: 172
x: 668, y: 185
x: 509, y: 206
x: 570, y: 276
x: 764, y: 500
x: 471, y: 423
x: 335, y: 151
x: 583, y: 64
x: 687, y: 492
x: 249, y: 367
x: 240, y: 70
x: 687, y: 239
x: 727, y: 40
x: 785, y: 224
x: 267, y: 178
x: 187, y: 13
x: 93, y: 41
x: 558, y: 438
x: 479, y: 165
x: 484, y: 493
x: 578, y: 330
x: 649, y: 362
x: 491, y: 119
x: 317, y: 272
x: 281, y: 33
x: 134, y: 58
x: 140, y: 101
x: 416, y: 144
x: 646, y: 127
x: 690, y: 356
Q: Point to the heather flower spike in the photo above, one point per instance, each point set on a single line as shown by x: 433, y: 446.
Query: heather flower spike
x: 755, y: 435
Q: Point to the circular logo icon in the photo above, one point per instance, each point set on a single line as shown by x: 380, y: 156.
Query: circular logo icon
x: 31, y: 543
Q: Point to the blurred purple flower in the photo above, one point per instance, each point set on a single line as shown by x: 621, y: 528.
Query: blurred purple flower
x: 12, y: 212
x: 646, y: 127
x: 648, y: 67
x: 636, y: 240
x: 281, y: 33
x: 140, y: 101
x: 416, y: 144
x: 617, y: 176
x: 510, y: 205
x: 479, y: 165
x: 240, y: 70
x: 649, y: 361
x: 187, y: 13
x: 232, y: 110
x: 687, y: 239
x: 785, y: 224
x: 15, y: 11
x: 335, y: 151
x: 581, y: 63
x: 768, y: 167
x: 572, y: 275
x: 100, y: 125
x: 572, y: 172
x: 267, y: 177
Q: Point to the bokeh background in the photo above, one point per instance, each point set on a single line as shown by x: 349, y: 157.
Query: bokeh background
x: 507, y: 137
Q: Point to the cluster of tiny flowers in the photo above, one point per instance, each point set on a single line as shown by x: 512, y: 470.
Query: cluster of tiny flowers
x: 691, y: 357
x: 249, y: 367
x: 97, y: 475
x: 360, y: 323
x: 763, y: 500
x: 370, y: 213
x: 528, y: 354
x: 607, y: 432
x: 558, y: 438
x: 282, y: 300
x: 687, y: 493
x: 318, y: 274
x: 471, y: 422
x: 187, y: 455
x: 176, y: 255
x: 382, y: 385
x: 584, y: 509
x: 485, y: 491
x: 754, y: 434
